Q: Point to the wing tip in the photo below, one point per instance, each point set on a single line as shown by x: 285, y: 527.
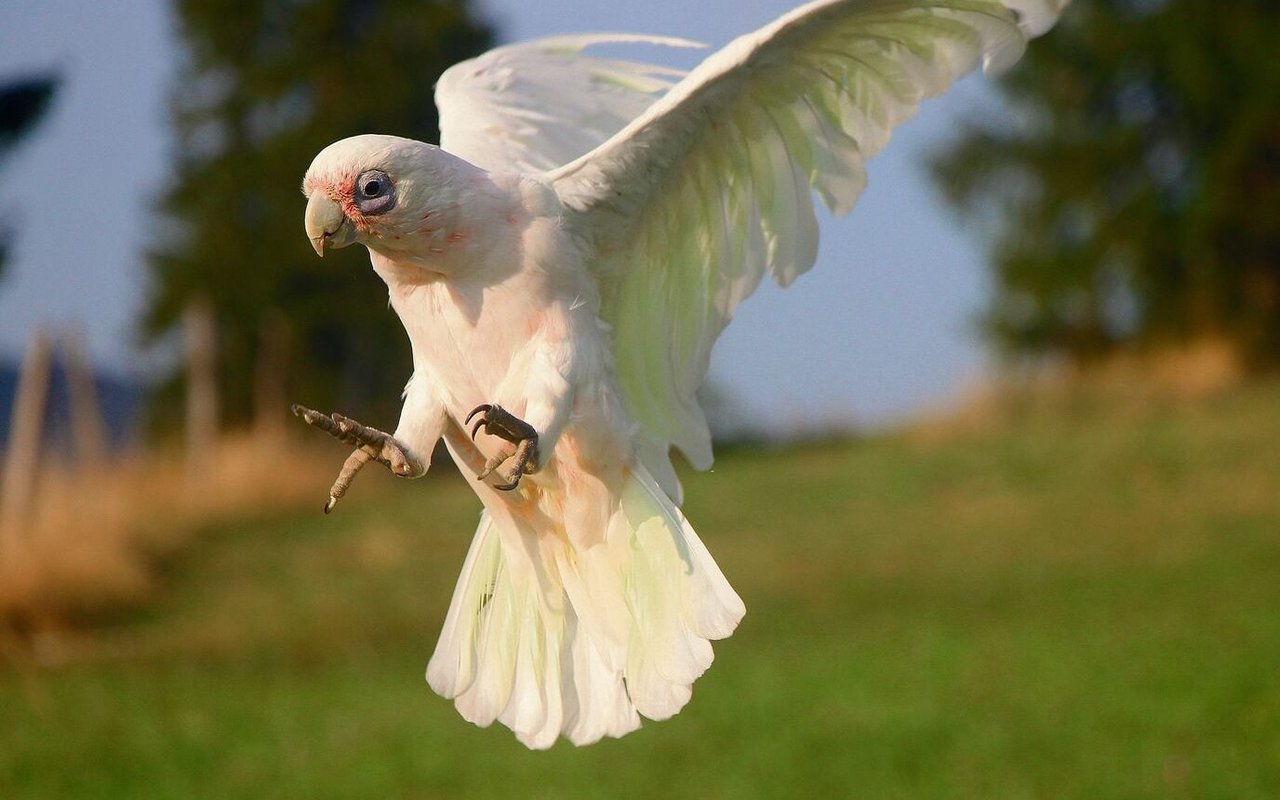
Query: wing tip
x: 576, y: 42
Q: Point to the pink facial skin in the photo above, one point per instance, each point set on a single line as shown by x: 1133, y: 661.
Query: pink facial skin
x: 341, y: 190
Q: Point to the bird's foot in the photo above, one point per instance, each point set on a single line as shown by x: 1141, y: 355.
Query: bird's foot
x: 497, y: 421
x: 370, y: 444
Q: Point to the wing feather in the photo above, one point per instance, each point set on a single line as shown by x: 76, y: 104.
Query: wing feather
x: 534, y: 106
x: 711, y: 187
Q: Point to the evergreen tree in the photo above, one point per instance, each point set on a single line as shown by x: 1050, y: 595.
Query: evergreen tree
x: 265, y: 85
x: 23, y: 101
x: 1137, y: 198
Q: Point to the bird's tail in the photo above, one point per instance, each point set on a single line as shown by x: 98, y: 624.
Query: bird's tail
x: 551, y: 637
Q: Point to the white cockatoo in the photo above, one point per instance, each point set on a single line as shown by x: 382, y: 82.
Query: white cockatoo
x: 563, y: 263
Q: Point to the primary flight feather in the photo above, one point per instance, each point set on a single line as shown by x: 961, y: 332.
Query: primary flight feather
x: 563, y: 264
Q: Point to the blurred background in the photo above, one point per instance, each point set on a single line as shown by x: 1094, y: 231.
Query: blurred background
x: 999, y: 480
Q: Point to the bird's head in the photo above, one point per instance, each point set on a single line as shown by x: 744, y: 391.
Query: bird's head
x: 385, y: 192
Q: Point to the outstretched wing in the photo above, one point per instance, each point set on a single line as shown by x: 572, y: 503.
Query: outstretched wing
x: 695, y: 200
x: 537, y: 105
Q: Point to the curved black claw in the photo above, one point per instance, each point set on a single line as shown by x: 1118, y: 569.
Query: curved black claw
x: 497, y: 421
x: 484, y: 408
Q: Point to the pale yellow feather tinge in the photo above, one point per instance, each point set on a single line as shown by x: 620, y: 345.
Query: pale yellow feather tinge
x: 695, y: 200
x: 592, y: 639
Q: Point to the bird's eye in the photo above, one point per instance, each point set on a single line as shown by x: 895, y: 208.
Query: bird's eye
x: 374, y: 192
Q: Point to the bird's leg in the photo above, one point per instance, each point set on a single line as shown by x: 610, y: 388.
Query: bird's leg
x: 370, y: 444
x: 497, y: 421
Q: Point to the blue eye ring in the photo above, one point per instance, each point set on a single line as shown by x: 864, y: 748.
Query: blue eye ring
x: 374, y: 192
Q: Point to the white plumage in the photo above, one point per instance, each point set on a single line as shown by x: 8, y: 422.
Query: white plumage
x: 572, y: 252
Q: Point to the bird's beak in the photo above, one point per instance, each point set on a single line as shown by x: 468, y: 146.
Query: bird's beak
x: 326, y: 225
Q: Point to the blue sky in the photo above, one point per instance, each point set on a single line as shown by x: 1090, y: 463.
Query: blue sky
x: 878, y: 330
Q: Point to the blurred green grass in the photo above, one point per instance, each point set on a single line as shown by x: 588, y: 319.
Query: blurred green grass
x: 1079, y: 601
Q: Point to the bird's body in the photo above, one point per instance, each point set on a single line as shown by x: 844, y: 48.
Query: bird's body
x: 573, y: 305
x: 500, y: 308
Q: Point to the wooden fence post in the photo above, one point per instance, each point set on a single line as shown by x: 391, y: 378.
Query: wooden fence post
x: 87, y: 429
x: 270, y: 403
x: 26, y: 430
x: 200, y: 332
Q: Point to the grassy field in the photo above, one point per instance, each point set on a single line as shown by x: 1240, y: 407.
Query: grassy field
x: 1078, y: 601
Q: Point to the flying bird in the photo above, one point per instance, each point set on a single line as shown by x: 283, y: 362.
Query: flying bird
x: 563, y: 263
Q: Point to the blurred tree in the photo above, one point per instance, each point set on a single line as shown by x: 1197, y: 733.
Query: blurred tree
x: 1136, y: 200
x: 22, y: 102
x: 265, y: 85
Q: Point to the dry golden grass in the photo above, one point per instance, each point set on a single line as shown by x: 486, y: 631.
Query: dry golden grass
x: 93, y: 536
x: 1130, y: 383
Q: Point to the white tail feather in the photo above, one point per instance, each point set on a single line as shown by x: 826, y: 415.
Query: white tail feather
x: 581, y: 642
